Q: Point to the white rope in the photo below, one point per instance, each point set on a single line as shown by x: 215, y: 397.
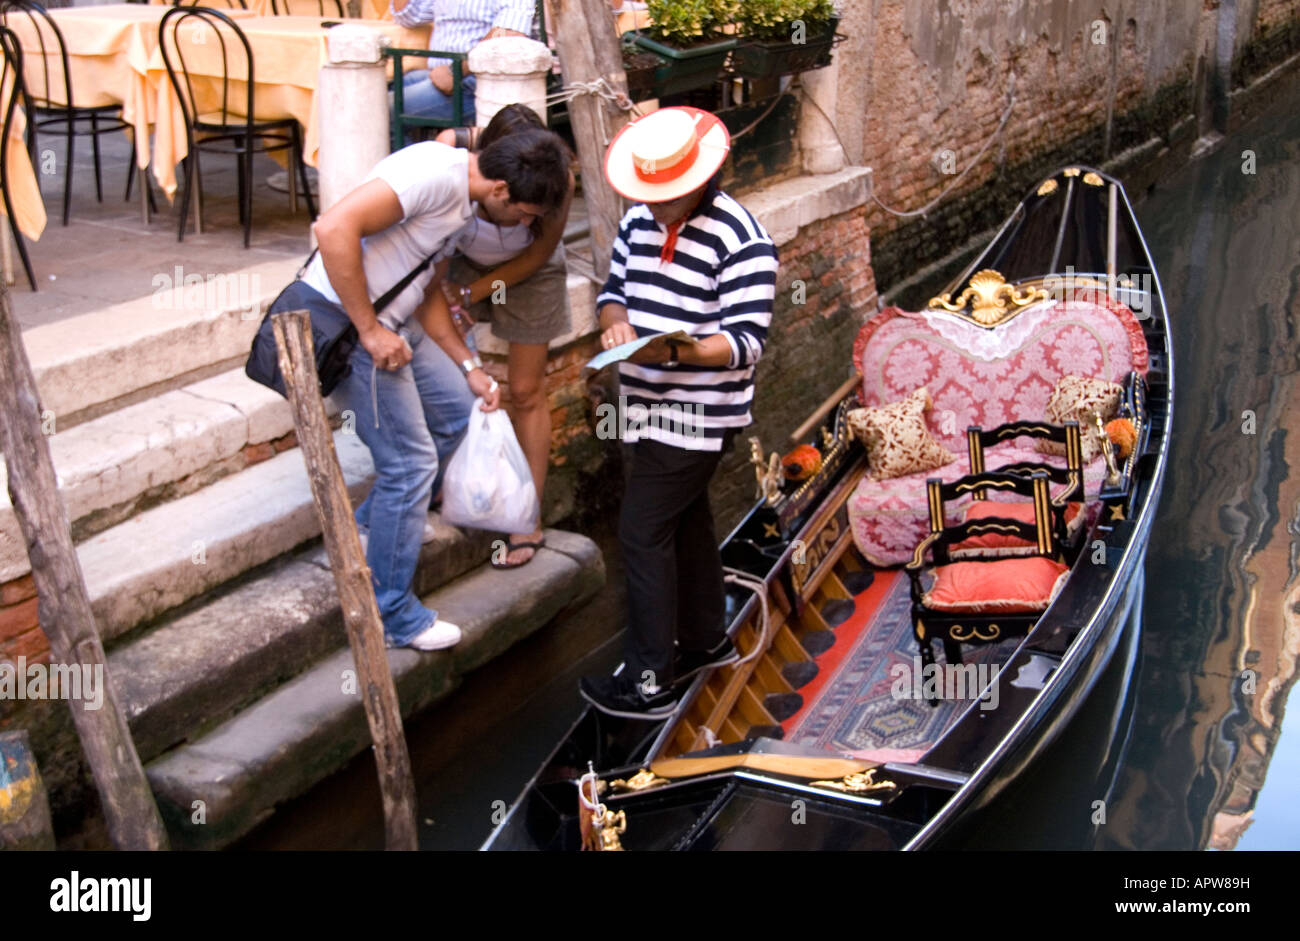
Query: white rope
x: 906, y: 214
x: 759, y: 588
x: 598, y: 87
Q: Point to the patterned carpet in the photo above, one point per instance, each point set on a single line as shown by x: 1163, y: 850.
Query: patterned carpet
x: 850, y: 706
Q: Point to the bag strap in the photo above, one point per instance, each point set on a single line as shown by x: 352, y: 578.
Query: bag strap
x: 387, y: 297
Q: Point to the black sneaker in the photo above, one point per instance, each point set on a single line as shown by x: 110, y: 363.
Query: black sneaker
x: 689, y: 662
x: 619, y: 696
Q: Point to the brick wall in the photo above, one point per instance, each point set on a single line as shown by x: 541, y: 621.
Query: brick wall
x: 20, y: 634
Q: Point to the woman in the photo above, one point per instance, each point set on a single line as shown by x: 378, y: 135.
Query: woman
x: 515, y: 278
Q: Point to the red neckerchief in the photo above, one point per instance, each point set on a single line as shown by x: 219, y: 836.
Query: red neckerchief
x: 670, y: 243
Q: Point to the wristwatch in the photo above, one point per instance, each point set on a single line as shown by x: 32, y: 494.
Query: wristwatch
x: 467, y: 366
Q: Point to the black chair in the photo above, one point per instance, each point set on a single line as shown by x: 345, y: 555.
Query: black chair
x: 221, y: 131
x: 1071, y: 475
x: 320, y: 5
x: 400, y: 120
x: 52, y: 102
x: 11, y: 80
x: 1000, y: 619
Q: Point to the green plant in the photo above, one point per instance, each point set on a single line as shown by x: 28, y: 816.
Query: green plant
x: 684, y: 22
x: 778, y: 19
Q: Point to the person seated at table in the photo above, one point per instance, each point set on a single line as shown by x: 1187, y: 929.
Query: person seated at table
x: 410, y: 402
x: 515, y: 277
x: 458, y: 26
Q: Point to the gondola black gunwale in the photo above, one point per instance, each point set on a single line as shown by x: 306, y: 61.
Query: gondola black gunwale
x: 1089, y: 616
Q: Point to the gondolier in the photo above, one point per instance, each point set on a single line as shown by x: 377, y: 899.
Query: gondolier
x: 687, y: 257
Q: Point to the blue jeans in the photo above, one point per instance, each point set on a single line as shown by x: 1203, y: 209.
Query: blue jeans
x: 411, y: 419
x: 422, y: 99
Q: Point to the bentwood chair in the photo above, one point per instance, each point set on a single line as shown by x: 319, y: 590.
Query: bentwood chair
x: 11, y: 86
x: 230, y: 4
x: 222, y: 130
x: 51, y: 95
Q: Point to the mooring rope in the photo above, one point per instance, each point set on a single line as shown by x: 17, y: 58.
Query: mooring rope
x: 759, y: 588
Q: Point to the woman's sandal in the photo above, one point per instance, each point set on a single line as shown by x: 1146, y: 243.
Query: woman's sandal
x: 511, y: 547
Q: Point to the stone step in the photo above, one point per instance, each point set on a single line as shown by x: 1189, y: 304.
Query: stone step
x: 163, y: 448
x: 89, y: 364
x: 197, y: 667
x: 167, y: 555
x: 309, y: 728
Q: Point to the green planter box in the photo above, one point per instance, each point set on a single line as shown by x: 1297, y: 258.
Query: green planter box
x: 765, y: 58
x: 686, y: 69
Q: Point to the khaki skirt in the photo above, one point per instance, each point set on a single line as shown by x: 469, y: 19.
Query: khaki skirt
x: 536, y: 310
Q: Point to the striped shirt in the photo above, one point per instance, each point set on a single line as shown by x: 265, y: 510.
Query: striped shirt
x: 460, y: 25
x: 722, y: 279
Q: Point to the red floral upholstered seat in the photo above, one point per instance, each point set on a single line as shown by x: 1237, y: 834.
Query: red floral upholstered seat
x: 985, y: 377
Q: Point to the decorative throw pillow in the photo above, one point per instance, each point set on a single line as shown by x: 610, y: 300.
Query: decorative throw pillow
x: 1007, y: 586
x: 1076, y: 397
x: 897, y: 439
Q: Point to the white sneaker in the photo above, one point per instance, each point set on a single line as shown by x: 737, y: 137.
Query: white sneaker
x: 441, y: 635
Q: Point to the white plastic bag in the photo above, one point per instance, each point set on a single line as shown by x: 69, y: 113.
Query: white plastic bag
x: 488, y: 484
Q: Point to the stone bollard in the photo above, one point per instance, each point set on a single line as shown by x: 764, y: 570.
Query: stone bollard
x: 508, y: 70
x: 822, y: 152
x: 352, y: 103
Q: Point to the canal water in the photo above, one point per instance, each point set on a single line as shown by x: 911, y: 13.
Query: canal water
x: 1188, y: 749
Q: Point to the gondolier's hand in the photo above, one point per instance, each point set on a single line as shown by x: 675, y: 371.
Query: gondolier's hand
x: 620, y: 333
x: 486, y: 388
x: 386, y: 348
x: 654, y: 352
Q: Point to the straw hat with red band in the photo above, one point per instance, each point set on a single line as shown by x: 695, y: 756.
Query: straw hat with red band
x: 666, y: 154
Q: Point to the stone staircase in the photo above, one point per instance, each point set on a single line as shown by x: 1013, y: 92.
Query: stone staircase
x: 200, y: 546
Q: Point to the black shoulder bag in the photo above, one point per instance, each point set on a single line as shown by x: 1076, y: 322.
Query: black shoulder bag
x: 333, y: 334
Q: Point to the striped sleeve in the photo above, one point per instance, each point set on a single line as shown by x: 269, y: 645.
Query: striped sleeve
x: 746, y: 292
x: 612, y: 291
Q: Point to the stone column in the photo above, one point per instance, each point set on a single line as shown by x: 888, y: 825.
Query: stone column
x: 352, y: 102
x: 821, y: 149
x: 509, y: 69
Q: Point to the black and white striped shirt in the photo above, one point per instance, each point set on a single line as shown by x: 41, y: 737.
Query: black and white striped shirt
x: 722, y: 279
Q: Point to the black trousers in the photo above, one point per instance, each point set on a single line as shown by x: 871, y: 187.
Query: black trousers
x: 674, y: 570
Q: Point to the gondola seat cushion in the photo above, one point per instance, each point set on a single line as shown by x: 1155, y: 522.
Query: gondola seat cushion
x: 1004, y: 586
x: 1023, y: 512
x: 978, y: 376
x: 897, y: 439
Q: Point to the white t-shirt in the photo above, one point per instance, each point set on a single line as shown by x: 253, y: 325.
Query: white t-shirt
x: 488, y: 244
x: 431, y: 181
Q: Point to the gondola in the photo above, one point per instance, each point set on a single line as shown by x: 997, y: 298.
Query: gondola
x: 753, y: 757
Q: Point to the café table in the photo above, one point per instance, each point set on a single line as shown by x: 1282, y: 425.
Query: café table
x: 366, y: 9
x: 109, y: 49
x: 288, y: 52
x: 24, y: 190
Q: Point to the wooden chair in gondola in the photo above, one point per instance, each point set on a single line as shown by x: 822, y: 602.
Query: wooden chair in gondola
x: 1067, y: 506
x: 983, y: 599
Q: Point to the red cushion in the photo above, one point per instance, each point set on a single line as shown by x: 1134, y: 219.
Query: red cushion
x: 1004, y: 586
x: 1022, y: 512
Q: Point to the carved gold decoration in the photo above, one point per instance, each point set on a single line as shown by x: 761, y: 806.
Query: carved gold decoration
x: 609, y: 827
x: 1072, y: 171
x: 1048, y: 188
x: 1107, y: 451
x: 641, y: 781
x: 771, y: 530
x: 1092, y: 179
x: 1117, y: 512
x: 818, y: 548
x: 991, y: 299
x: 766, y: 472
x: 858, y: 783
x: 976, y: 632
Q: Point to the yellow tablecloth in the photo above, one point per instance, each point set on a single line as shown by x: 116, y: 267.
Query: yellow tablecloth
x: 370, y: 9
x: 24, y: 191
x: 288, y: 52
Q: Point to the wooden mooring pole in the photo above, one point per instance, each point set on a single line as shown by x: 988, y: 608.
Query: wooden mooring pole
x: 63, y: 605
x: 588, y: 44
x: 365, y: 629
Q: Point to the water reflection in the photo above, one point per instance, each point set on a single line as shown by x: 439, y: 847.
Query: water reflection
x: 1222, y: 621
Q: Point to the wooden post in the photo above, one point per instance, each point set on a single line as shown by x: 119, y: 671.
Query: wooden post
x: 63, y: 605
x: 297, y: 357
x: 24, y: 808
x: 588, y: 45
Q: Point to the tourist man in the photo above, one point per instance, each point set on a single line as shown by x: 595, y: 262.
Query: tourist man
x: 690, y: 258
x: 458, y: 26
x: 408, y: 397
